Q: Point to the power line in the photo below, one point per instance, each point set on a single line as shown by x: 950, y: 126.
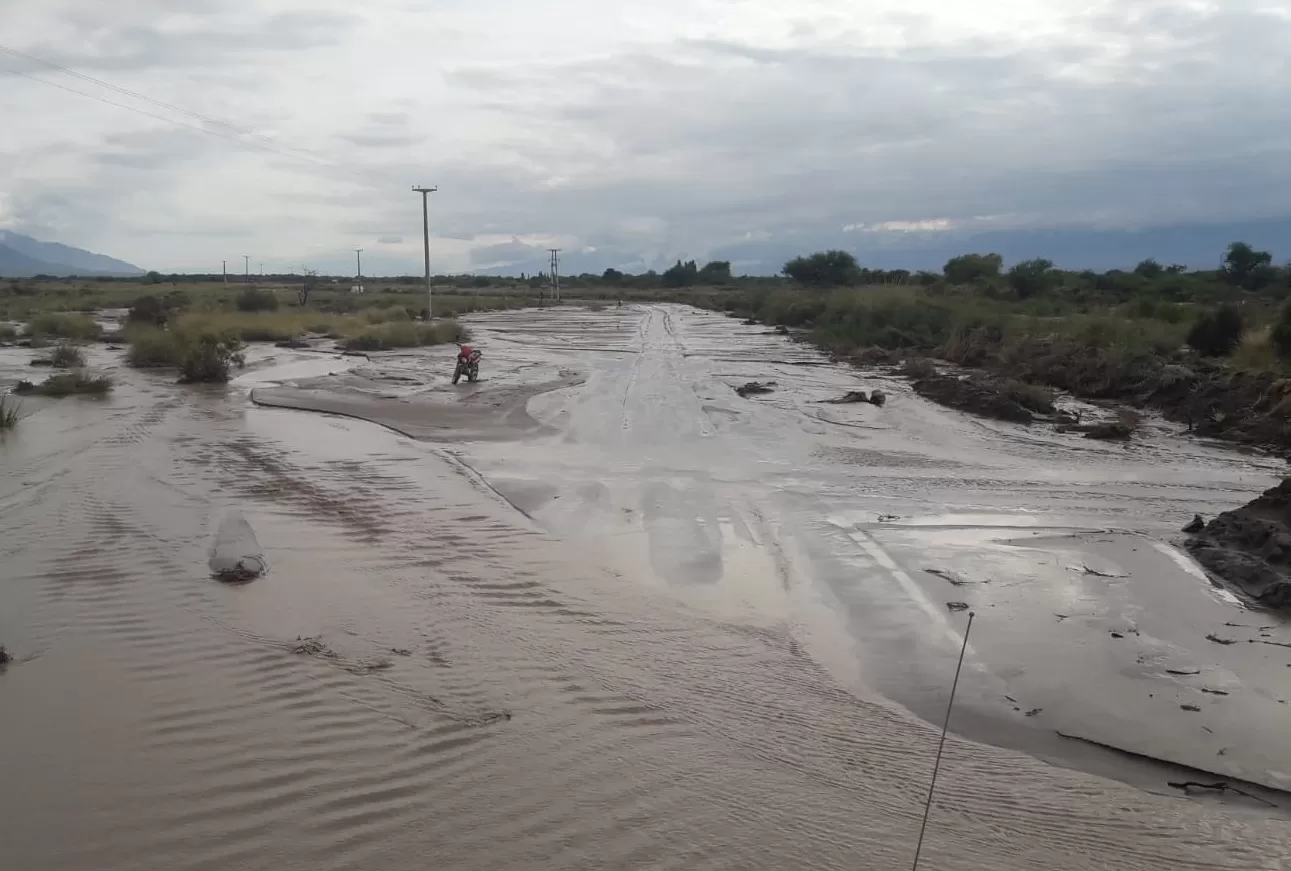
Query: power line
x: 206, y: 119
x: 267, y: 146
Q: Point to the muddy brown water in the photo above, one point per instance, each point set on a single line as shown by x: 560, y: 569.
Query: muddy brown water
x: 620, y: 618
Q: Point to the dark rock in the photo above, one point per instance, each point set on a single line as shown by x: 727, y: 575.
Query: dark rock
x: 1197, y: 525
x: 1217, y: 640
x: 754, y: 387
x: 5, y: 658
x: 23, y: 387
x: 291, y: 343
x: 975, y: 395
x: 1250, y: 547
x: 1192, y: 708
x: 42, y: 361
x: 782, y: 330
x: 878, y: 397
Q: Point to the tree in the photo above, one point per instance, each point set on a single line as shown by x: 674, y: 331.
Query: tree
x: 968, y: 268
x: 1149, y: 268
x: 1217, y: 333
x: 1247, y: 268
x: 1031, y: 277
x: 681, y: 275
x: 309, y: 281
x: 824, y: 269
x: 715, y: 272
x: 153, y: 278
x: 611, y: 276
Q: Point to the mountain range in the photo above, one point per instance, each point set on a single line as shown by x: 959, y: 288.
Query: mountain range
x: 22, y: 257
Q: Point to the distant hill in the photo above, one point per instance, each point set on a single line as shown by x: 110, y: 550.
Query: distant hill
x: 22, y: 257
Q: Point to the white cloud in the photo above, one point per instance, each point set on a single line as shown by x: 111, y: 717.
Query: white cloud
x: 651, y: 130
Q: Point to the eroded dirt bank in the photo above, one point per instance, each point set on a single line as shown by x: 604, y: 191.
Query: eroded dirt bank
x: 680, y: 661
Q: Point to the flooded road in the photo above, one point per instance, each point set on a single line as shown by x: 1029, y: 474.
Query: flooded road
x: 598, y: 611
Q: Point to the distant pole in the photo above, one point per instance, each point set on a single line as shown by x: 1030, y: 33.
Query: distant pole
x: 262, y: 269
x: 224, y: 264
x: 425, y: 237
x: 555, y: 273
x: 247, y: 266
x: 945, y: 727
x: 358, y: 266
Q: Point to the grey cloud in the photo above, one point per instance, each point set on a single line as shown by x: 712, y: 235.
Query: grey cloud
x: 379, y: 139
x: 803, y: 138
x: 389, y: 119
x: 390, y: 240
x: 219, y: 38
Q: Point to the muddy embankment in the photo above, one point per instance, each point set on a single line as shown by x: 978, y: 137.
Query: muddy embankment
x: 1209, y: 400
x: 1250, y: 546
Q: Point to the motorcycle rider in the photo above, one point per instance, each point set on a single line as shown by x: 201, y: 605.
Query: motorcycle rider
x: 463, y: 354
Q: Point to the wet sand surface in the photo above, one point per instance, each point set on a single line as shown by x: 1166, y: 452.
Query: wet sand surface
x: 597, y: 611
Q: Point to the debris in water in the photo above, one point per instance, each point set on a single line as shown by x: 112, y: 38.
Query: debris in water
x: 1215, y: 638
x: 1220, y: 786
x: 889, y: 518
x: 1197, y: 525
x: 1034, y: 711
x: 5, y: 658
x: 375, y: 665
x: 953, y: 577
x: 1193, y: 708
x: 313, y: 646
x: 1183, y: 672
x: 1115, y: 634
x: 957, y: 606
x: 236, y: 556
x: 754, y: 387
x: 401, y: 651
x: 1214, y: 692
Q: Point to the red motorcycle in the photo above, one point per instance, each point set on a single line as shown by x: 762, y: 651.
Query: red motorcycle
x: 468, y: 364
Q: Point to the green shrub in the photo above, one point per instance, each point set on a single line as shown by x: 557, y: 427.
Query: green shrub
x: 254, y: 300
x: 1280, y: 336
x: 10, y: 412
x: 151, y: 348
x: 208, y: 358
x: 66, y: 356
x: 63, y: 326
x: 1032, y: 397
x: 1217, y: 333
x: 68, y: 384
x: 405, y: 334
x: 919, y: 367
x: 148, y: 309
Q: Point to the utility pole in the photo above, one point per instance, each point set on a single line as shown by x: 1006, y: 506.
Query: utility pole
x: 358, y: 266
x: 224, y: 264
x: 555, y: 273
x: 425, y: 236
x: 247, y: 266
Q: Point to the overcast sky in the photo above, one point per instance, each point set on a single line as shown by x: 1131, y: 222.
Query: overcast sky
x: 656, y: 128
